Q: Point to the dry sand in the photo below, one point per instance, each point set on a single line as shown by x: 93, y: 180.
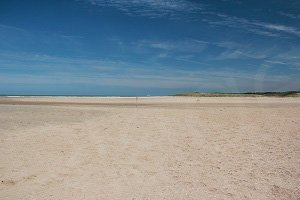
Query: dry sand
x: 164, y: 148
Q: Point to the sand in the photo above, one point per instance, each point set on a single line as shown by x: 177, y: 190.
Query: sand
x: 161, y: 148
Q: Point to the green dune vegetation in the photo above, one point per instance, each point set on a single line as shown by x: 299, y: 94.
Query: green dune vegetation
x: 246, y: 94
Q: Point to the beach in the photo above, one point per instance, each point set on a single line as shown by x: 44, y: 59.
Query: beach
x: 149, y: 148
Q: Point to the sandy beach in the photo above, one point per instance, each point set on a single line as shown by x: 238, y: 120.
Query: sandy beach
x: 149, y: 148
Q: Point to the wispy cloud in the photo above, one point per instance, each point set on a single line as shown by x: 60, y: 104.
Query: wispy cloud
x: 289, y: 58
x: 260, y: 82
x: 12, y: 28
x: 39, y: 63
x: 47, y: 69
x: 149, y: 8
x: 187, y: 45
x: 276, y: 62
x: 236, y: 54
x: 272, y: 56
x: 278, y: 27
x: 234, y: 50
x: 257, y: 27
x: 289, y: 15
x: 176, y: 9
x: 189, y: 52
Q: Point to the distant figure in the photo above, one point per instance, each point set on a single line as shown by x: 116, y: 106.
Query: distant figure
x: 136, y: 100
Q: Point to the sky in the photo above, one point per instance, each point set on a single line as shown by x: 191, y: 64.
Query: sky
x: 148, y: 47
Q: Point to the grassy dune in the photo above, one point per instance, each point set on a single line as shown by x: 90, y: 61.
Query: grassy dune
x: 247, y: 94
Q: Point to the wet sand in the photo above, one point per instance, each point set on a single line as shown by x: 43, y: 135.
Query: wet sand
x: 152, y: 148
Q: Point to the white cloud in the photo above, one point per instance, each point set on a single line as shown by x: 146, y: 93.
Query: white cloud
x: 234, y: 50
x: 291, y: 58
x: 292, y: 16
x: 149, y: 8
x: 119, y: 73
x: 257, y: 27
x: 237, y: 54
x: 175, y: 46
x: 276, y: 62
x: 12, y: 28
x: 279, y: 28
x: 196, y: 12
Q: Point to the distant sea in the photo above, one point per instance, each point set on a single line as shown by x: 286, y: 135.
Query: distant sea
x: 5, y: 95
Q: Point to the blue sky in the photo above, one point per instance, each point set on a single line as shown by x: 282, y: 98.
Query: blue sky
x: 155, y: 47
